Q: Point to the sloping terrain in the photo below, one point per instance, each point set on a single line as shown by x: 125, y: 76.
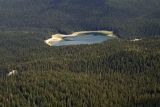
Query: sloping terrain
x: 124, y: 17
x: 116, y: 73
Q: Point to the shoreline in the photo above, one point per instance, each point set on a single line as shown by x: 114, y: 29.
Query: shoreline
x: 58, y: 37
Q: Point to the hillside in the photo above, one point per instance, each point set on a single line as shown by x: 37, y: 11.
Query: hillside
x: 121, y: 72
x: 116, y: 73
x: 125, y: 17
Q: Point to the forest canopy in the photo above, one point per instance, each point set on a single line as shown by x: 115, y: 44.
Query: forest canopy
x: 125, y: 17
x: 120, y: 72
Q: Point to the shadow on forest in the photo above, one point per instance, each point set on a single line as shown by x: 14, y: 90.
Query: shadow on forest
x: 150, y: 102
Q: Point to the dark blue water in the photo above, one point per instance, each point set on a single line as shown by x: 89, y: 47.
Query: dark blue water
x: 88, y: 38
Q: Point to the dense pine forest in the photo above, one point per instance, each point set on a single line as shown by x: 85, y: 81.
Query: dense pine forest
x: 119, y: 72
x: 125, y: 17
x: 116, y: 73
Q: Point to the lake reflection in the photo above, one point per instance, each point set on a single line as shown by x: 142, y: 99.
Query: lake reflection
x: 82, y: 39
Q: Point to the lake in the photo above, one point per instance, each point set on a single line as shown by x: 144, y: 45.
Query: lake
x: 87, y: 37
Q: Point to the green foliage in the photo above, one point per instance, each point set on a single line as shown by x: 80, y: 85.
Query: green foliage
x: 125, y: 17
x: 116, y: 73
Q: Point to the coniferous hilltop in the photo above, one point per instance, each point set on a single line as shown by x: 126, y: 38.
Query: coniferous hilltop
x: 125, y: 17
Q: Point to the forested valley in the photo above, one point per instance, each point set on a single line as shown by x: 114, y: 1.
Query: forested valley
x: 119, y: 72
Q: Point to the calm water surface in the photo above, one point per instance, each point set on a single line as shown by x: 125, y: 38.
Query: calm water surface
x: 87, y: 38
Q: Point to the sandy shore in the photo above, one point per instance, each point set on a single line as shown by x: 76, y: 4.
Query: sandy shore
x: 58, y: 37
x: 108, y: 33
